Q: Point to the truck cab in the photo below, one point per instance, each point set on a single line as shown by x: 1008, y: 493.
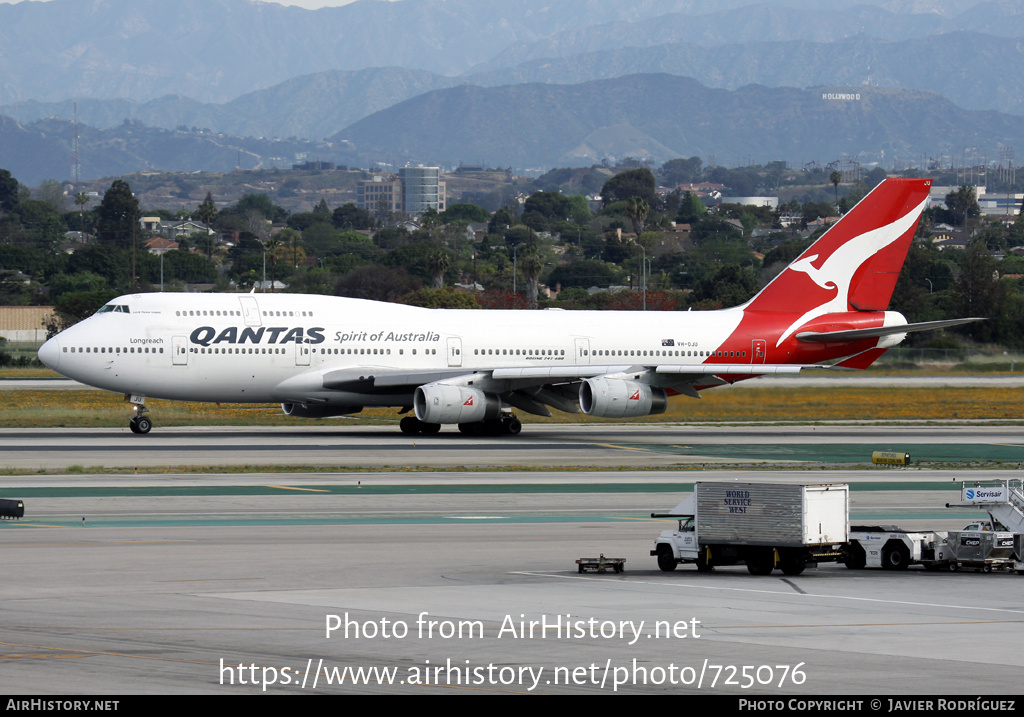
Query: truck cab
x: 675, y: 546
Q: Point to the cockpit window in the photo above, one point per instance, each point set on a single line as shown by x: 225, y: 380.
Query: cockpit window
x: 119, y: 308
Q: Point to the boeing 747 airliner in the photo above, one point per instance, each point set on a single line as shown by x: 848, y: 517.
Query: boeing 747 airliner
x: 321, y: 356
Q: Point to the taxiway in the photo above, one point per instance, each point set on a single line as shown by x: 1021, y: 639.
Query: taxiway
x: 207, y: 583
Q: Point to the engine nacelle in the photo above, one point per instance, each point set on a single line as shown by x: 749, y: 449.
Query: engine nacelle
x: 318, y: 410
x: 616, y: 398
x: 440, y: 403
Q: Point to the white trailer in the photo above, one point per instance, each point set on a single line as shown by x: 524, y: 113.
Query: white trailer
x: 763, y: 525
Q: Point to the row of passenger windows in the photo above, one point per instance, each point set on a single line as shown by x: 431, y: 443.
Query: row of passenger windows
x: 362, y: 351
x: 724, y: 354
x: 211, y: 312
x: 264, y: 350
x: 387, y: 352
x: 518, y: 352
x: 605, y: 352
x: 114, y: 350
x: 279, y: 350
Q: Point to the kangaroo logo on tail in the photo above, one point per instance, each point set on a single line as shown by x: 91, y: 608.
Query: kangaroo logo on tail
x: 838, y: 270
x: 855, y: 264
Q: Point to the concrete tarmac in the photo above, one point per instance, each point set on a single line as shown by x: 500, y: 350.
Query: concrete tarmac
x: 540, y: 445
x: 452, y: 582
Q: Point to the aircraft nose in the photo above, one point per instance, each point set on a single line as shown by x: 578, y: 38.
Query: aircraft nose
x: 49, y: 354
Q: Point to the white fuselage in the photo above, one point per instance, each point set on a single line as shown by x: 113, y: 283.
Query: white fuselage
x: 277, y: 347
x: 323, y: 356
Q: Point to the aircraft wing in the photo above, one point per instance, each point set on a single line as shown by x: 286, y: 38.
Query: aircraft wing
x: 581, y: 372
x: 531, y: 389
x: 370, y: 379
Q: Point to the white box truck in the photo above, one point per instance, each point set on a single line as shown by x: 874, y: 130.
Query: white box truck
x: 791, y: 526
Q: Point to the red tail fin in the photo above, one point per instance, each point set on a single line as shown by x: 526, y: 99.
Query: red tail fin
x: 855, y: 264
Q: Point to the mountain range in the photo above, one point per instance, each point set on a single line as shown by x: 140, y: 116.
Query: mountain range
x: 262, y: 70
x: 659, y: 117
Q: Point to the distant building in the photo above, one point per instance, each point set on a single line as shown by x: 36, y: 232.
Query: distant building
x: 937, y: 195
x: 770, y: 202
x: 173, y: 228
x: 379, y: 193
x: 160, y: 245
x: 704, y: 190
x: 268, y: 285
x: 1000, y: 205
x: 821, y: 222
x: 314, y: 166
x: 421, y: 189
x: 413, y: 191
x: 24, y: 323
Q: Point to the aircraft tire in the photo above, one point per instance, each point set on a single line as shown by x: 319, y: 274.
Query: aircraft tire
x: 141, y: 425
x: 472, y: 429
x: 512, y: 426
x: 430, y: 429
x: 409, y: 425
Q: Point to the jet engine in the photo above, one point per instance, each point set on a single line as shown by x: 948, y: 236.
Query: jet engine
x: 440, y: 403
x: 616, y: 398
x: 318, y: 410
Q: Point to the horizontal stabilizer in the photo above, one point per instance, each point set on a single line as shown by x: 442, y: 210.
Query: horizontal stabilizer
x: 826, y: 337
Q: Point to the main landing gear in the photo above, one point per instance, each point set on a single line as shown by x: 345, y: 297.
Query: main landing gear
x: 506, y: 425
x: 411, y: 425
x: 139, y: 423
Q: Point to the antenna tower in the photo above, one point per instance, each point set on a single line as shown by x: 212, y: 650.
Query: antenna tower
x: 76, y: 165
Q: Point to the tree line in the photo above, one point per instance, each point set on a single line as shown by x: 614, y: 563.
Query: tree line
x: 663, y: 249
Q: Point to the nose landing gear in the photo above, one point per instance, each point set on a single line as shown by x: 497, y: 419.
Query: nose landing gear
x: 139, y: 423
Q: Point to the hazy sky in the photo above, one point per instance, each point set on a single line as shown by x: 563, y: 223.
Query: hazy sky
x: 311, y: 4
